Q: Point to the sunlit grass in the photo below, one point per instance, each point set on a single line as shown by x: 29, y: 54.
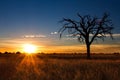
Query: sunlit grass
x: 58, y: 67
x: 27, y: 68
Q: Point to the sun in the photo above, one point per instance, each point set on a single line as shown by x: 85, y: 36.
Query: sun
x: 29, y: 48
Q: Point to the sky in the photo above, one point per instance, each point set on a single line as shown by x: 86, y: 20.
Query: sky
x: 37, y: 22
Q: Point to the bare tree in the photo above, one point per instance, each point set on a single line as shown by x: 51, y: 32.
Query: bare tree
x: 88, y: 29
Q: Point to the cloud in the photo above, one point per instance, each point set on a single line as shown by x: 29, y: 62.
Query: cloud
x: 71, y: 38
x: 54, y: 33
x: 35, y: 36
x: 114, y: 35
x: 69, y: 35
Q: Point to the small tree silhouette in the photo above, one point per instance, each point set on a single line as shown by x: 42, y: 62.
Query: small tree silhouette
x: 88, y: 29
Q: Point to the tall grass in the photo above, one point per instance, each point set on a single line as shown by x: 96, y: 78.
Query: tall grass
x: 44, y: 67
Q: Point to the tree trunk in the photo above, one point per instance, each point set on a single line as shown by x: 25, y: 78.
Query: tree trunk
x: 88, y: 51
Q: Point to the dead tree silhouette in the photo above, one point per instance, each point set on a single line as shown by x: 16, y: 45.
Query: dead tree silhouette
x: 88, y: 29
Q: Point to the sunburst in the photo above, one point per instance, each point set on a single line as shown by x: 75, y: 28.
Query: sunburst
x: 29, y: 48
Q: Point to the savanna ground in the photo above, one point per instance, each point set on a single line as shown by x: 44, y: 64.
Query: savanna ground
x: 59, y: 67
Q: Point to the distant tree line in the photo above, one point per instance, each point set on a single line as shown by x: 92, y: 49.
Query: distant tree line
x: 10, y: 52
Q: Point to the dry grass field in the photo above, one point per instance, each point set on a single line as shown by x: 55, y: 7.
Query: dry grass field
x: 59, y: 67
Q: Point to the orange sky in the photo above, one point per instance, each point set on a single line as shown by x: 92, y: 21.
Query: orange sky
x: 50, y: 45
x: 66, y: 49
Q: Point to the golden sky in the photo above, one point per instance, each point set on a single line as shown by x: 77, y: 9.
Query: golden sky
x: 52, y: 44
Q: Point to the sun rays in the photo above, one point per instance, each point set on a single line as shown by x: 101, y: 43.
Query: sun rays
x: 28, y: 67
